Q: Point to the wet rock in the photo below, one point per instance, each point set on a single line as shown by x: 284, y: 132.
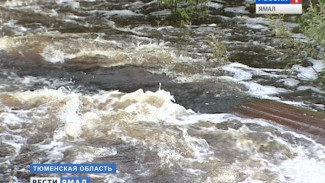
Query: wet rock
x: 23, y: 175
x: 29, y: 154
x: 306, y: 4
x: 292, y: 139
x: 249, y: 2
x: 6, y: 150
x: 229, y: 124
x: 4, y: 168
x: 126, y: 158
x: 121, y: 13
x: 162, y: 13
x: 14, y: 126
x: 272, y: 147
x: 166, y: 175
x: 36, y: 138
x: 217, y: 143
x: 28, y: 148
x: 151, y: 7
x: 257, y: 137
x: 5, y: 177
x: 23, y: 159
x: 255, y: 127
x: 236, y: 10
x: 214, y: 6
x: 255, y: 59
x: 306, y: 63
x: 206, y: 97
x: 296, y: 30
x: 136, y: 6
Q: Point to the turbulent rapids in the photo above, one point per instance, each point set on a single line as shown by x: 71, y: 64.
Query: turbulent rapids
x: 85, y: 81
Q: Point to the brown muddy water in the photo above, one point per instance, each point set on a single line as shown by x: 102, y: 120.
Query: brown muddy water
x: 84, y: 81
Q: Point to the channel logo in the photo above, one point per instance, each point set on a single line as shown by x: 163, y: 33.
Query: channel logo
x: 59, y: 180
x: 278, y: 6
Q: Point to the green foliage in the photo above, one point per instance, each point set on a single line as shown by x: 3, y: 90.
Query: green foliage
x: 277, y: 25
x: 189, y: 8
x: 219, y: 51
x: 313, y: 24
x: 295, y: 49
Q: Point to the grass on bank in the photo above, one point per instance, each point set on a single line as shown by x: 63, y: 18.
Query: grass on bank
x: 186, y: 9
x: 312, y: 25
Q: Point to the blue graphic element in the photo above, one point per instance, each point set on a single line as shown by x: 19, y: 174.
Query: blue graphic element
x: 75, y: 180
x: 72, y: 168
x: 273, y: 1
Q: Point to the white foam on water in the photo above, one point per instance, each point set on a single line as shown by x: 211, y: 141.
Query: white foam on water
x: 57, y: 52
x: 261, y: 91
x: 239, y: 72
x: 317, y: 90
x: 243, y: 74
x: 18, y: 29
x: 303, y: 169
x: 111, y: 113
x: 71, y: 3
x: 199, y: 146
x: 237, y: 68
x: 139, y: 103
x: 320, y: 106
x: 10, y: 118
x: 6, y: 42
x: 214, y: 118
x: 15, y: 3
x: 53, y: 55
x: 88, y: 155
x: 148, y: 54
x: 310, y: 72
x: 215, y: 6
x: 305, y: 73
x: 68, y: 114
x: 289, y: 82
x: 258, y: 90
x: 294, y: 103
x: 305, y: 166
x: 71, y: 116
x: 168, y: 157
x: 161, y: 102
x: 251, y: 180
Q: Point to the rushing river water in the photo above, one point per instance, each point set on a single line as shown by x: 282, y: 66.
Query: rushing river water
x: 85, y: 81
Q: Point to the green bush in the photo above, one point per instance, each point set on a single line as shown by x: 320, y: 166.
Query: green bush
x: 219, y: 50
x: 313, y: 26
x: 189, y: 9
